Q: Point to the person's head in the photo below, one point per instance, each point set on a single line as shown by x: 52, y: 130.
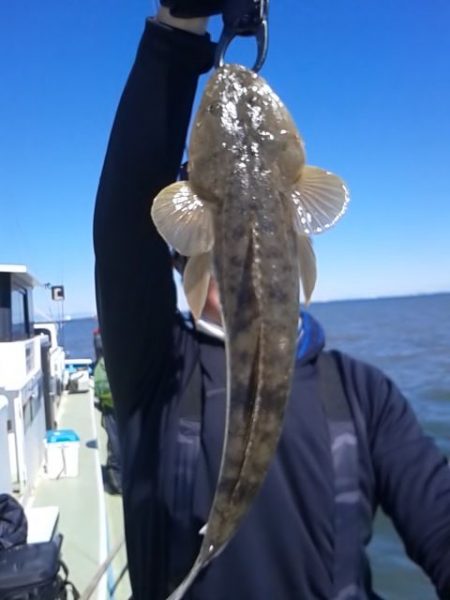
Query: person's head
x: 98, y: 344
x: 211, y: 311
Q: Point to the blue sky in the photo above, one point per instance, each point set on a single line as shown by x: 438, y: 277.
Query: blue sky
x: 367, y: 82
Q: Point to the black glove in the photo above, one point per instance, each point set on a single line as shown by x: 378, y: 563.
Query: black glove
x: 240, y: 15
x: 191, y: 9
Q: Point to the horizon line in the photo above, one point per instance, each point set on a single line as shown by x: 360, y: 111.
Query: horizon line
x: 88, y: 315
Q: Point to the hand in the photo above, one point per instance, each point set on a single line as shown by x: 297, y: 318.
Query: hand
x: 192, y: 9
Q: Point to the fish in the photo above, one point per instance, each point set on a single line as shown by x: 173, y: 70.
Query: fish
x: 245, y: 217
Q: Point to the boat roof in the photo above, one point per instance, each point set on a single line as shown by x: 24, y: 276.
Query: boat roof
x: 21, y: 273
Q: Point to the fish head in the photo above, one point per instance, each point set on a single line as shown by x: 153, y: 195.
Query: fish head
x: 241, y: 124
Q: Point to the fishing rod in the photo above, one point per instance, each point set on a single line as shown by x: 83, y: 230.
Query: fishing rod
x: 93, y: 583
x: 246, y: 18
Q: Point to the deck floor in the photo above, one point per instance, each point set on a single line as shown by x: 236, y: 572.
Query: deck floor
x: 90, y: 520
x: 118, y: 582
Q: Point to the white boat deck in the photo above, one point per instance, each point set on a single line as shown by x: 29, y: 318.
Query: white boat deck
x: 90, y: 520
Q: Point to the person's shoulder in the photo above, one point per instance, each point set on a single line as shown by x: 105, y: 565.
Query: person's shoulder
x: 374, y: 394
x: 365, y: 385
x: 355, y: 368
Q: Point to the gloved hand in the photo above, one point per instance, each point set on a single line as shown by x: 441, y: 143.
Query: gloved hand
x: 192, y: 9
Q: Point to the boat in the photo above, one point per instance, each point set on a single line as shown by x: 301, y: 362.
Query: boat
x: 54, y: 445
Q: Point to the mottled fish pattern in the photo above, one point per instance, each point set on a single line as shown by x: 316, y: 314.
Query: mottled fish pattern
x: 245, y: 216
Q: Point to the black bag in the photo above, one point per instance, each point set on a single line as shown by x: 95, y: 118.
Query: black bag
x: 13, y: 522
x: 34, y: 572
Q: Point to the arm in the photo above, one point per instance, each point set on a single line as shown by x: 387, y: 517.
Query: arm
x: 135, y: 292
x: 413, y: 481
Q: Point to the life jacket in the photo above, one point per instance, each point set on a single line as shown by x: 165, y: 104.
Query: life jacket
x: 352, y: 507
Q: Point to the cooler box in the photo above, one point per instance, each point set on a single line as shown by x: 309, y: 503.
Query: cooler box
x: 62, y: 448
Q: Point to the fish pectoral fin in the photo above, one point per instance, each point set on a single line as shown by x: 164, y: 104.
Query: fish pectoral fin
x: 196, y: 278
x: 307, y: 265
x: 319, y: 198
x: 183, y: 219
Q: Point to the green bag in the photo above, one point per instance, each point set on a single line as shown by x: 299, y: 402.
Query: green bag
x: 101, y: 385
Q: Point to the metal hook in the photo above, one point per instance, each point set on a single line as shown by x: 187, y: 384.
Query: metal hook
x: 258, y: 29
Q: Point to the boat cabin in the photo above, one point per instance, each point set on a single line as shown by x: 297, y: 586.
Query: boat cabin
x: 22, y: 409
x: 16, y: 303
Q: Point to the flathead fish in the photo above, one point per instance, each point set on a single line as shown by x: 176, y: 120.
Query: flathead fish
x: 245, y: 216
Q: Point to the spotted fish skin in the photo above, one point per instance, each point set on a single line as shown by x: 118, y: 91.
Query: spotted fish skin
x: 245, y: 214
x: 256, y: 268
x: 258, y: 284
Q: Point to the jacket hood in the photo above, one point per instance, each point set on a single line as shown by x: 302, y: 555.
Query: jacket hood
x: 311, y: 338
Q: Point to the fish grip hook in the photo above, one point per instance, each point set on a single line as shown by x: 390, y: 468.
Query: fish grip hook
x: 244, y: 18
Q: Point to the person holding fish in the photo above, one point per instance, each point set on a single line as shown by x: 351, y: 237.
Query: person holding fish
x: 253, y: 460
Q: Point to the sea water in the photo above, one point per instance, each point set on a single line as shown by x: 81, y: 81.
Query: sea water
x: 409, y: 339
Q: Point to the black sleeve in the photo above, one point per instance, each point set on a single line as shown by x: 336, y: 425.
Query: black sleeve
x: 413, y: 481
x: 136, y: 298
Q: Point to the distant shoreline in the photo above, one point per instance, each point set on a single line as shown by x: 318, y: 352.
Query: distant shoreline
x: 374, y: 298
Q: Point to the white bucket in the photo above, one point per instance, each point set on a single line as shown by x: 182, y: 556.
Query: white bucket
x: 62, y: 449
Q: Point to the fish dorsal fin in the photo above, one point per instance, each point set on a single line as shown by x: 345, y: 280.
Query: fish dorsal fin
x: 196, y: 278
x: 320, y: 199
x: 183, y: 219
x: 307, y: 264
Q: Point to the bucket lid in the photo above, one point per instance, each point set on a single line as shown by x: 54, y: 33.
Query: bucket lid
x: 61, y: 435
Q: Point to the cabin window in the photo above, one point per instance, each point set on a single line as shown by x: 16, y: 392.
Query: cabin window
x: 19, y: 314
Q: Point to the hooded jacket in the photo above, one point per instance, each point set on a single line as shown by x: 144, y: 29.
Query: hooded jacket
x: 285, y: 548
